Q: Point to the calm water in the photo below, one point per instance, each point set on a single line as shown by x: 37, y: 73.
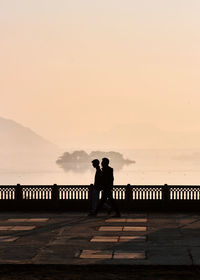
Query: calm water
x: 151, y: 167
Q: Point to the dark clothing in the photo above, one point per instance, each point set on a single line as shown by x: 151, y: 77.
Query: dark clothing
x: 97, y: 187
x: 95, y: 199
x: 107, y: 178
x: 107, y: 185
x: 98, y: 179
x: 107, y: 195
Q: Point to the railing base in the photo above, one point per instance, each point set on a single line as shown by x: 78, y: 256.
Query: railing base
x: 84, y: 205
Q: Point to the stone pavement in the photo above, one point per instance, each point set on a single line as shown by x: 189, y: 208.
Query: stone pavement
x: 76, y: 239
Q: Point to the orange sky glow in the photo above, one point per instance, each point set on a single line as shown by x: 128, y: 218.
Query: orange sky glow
x: 91, y: 73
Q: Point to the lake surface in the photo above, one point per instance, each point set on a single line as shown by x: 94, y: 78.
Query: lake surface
x: 151, y: 167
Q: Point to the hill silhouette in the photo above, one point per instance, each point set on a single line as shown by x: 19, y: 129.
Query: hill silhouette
x: 16, y: 138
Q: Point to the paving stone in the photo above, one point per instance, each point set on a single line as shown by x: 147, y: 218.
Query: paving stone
x: 5, y: 227
x: 144, y: 220
x: 115, y: 220
x: 169, y: 256
x: 4, y: 236
x: 20, y: 253
x: 128, y: 220
x: 10, y: 239
x: 107, y: 228
x: 7, y: 238
x: 165, y: 232
x: 28, y: 220
x: 137, y: 215
x: 17, y: 220
x: 23, y: 227
x: 195, y: 253
x: 132, y: 238
x: 41, y: 220
x: 127, y: 228
x: 105, y: 239
x: 187, y: 221
x: 129, y: 255
x: 191, y: 240
x: 167, y: 241
x: 56, y: 242
x: 96, y: 254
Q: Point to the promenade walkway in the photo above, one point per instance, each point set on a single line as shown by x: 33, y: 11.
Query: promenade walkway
x: 74, y: 238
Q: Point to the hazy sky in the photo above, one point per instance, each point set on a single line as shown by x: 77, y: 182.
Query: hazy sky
x: 75, y: 71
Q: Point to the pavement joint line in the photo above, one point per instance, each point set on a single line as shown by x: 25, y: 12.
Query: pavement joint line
x: 190, y: 255
x: 77, y: 254
x: 197, y: 220
x: 112, y: 254
x: 110, y: 228
x: 96, y: 254
x: 128, y: 238
x: 124, y: 255
x: 123, y: 228
x: 51, y: 227
x: 186, y: 253
x: 127, y: 220
x: 16, y: 228
x: 46, y: 246
x: 60, y: 232
x: 118, y: 238
x: 135, y: 228
x: 8, y: 238
x: 105, y: 239
x: 22, y: 220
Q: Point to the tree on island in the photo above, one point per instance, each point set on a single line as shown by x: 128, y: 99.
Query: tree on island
x: 79, y: 161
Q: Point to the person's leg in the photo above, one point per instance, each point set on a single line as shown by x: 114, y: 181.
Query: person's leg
x: 95, y: 199
x: 102, y: 201
x: 91, y: 200
x: 107, y: 207
x: 113, y: 202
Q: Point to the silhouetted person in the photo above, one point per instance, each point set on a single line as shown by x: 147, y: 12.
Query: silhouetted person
x: 107, y: 186
x: 97, y: 188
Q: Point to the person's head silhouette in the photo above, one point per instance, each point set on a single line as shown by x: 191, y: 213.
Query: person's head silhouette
x: 95, y: 163
x: 105, y: 162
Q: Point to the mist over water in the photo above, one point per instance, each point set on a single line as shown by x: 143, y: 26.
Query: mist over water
x: 151, y: 167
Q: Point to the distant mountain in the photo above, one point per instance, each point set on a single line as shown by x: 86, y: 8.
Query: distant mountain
x: 16, y: 138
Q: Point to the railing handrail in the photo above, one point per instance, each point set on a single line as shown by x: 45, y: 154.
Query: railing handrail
x: 115, y: 186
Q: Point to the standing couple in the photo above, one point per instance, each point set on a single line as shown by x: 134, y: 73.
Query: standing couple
x: 103, y: 182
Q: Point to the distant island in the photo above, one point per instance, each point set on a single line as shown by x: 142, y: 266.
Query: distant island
x: 80, y: 161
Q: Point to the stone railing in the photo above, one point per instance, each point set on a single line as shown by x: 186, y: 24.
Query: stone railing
x: 78, y: 197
